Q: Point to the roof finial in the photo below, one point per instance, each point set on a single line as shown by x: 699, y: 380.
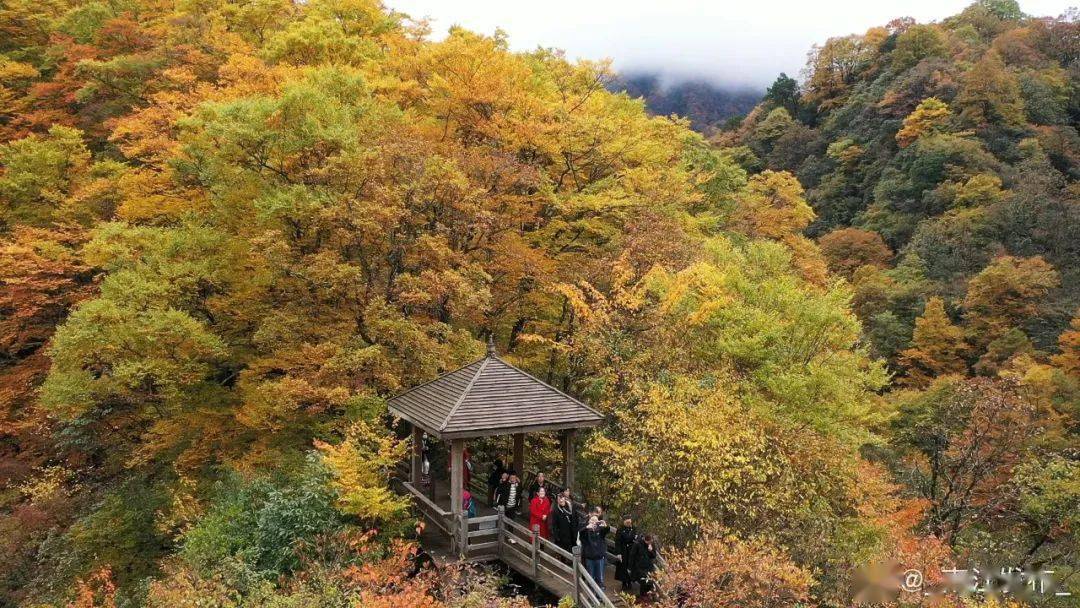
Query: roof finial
x: 491, y: 345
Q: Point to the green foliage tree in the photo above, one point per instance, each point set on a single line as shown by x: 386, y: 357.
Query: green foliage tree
x: 1048, y: 500
x: 1003, y: 9
x: 784, y: 92
x: 39, y: 173
x: 772, y: 128
x: 917, y: 43
x: 266, y: 524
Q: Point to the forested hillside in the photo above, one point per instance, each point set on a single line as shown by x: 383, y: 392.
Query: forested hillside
x: 941, y: 161
x: 229, y: 230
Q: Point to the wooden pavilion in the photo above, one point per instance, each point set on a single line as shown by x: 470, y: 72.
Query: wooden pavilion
x: 486, y: 398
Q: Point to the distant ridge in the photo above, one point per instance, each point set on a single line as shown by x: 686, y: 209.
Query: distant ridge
x: 707, y: 105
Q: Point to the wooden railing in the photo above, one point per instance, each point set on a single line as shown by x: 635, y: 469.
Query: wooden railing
x: 548, y: 564
x: 438, y: 516
x: 500, y: 537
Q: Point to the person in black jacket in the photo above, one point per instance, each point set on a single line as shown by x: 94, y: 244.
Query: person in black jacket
x: 509, y: 495
x: 539, y: 482
x: 593, y: 538
x: 500, y: 487
x: 564, y: 524
x: 642, y: 563
x: 625, y: 537
x: 494, y: 478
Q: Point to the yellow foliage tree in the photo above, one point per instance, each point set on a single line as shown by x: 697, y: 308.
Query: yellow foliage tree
x: 1005, y: 293
x: 929, y: 116
x: 696, y: 450
x: 773, y: 206
x: 937, y: 347
x: 361, y: 466
x: 990, y: 94
x: 979, y: 190
x: 719, y: 571
x: 1069, y: 343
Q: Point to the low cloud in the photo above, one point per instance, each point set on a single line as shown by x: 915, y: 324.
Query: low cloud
x: 731, y: 44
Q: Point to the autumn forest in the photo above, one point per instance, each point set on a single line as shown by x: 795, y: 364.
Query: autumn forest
x: 842, y: 329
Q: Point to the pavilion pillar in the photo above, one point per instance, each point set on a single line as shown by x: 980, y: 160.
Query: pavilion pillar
x: 519, y: 455
x: 417, y: 465
x: 457, y: 476
x: 569, y: 456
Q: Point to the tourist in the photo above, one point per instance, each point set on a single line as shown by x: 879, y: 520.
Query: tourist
x: 466, y: 468
x: 593, y: 538
x: 570, y: 503
x: 642, y: 563
x: 540, y: 513
x: 625, y: 537
x: 425, y: 455
x: 564, y: 524
x: 504, y: 480
x: 537, y: 484
x: 468, y: 504
x: 509, y: 495
x: 495, y: 477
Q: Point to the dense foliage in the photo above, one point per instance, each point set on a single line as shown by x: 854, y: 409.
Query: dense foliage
x: 230, y: 229
x: 941, y: 161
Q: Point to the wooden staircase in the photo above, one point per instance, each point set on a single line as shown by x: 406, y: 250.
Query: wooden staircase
x: 497, y: 537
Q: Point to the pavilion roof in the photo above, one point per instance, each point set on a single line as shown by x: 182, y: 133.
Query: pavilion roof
x: 490, y: 397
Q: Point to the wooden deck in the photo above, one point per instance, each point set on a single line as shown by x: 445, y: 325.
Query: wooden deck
x: 493, y: 536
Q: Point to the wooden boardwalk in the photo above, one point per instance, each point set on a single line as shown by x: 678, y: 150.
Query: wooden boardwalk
x: 493, y: 536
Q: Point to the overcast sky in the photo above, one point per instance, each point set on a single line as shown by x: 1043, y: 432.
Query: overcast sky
x: 735, y: 43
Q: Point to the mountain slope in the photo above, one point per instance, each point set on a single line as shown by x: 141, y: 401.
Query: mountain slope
x: 956, y: 142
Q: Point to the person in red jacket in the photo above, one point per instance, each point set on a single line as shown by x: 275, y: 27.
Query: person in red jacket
x: 540, y: 513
